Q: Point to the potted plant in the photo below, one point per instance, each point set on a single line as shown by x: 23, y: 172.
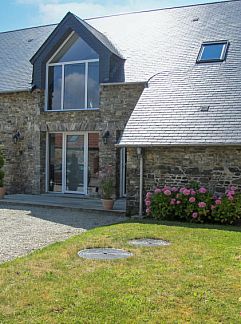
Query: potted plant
x: 107, y: 187
x: 2, y: 189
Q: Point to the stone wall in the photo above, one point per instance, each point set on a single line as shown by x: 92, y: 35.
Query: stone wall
x: 20, y: 112
x: 24, y: 111
x: 214, y: 167
x: 116, y: 105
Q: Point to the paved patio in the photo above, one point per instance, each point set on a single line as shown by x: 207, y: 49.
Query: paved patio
x: 72, y: 202
x: 24, y: 228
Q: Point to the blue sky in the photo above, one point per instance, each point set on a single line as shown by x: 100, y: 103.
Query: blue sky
x: 16, y: 14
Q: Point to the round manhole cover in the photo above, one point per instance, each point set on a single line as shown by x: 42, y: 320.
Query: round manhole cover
x: 104, y: 254
x: 149, y: 242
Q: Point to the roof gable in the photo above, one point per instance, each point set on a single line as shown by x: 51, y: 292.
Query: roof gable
x: 71, y: 23
x: 96, y: 40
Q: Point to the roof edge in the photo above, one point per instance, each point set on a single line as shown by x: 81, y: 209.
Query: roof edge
x: 177, y: 145
x: 126, y: 13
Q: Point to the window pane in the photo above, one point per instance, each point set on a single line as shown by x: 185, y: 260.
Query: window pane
x: 55, y: 162
x: 75, y: 163
x: 54, y: 87
x: 74, y: 50
x: 74, y: 86
x: 212, y: 52
x: 93, y: 85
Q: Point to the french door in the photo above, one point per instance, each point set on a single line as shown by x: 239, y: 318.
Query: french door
x: 72, y: 162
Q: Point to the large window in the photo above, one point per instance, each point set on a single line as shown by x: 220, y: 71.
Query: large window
x: 73, y: 77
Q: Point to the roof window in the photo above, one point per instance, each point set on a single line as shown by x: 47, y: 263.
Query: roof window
x: 212, y: 52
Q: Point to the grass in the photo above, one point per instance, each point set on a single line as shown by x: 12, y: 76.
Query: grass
x: 196, y: 279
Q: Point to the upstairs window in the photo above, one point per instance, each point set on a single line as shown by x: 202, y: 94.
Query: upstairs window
x: 73, y: 77
x: 212, y: 52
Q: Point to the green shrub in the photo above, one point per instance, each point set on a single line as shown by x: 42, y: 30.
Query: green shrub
x: 194, y: 203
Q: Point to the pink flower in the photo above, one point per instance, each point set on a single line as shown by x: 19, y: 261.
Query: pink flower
x: 167, y: 192
x: 165, y: 188
x: 148, y: 211
x: 148, y: 203
x: 218, y: 201
x: 213, y: 206
x: 193, y: 192
x: 157, y: 190
x: 202, y: 190
x: 148, y: 194
x: 230, y: 198
x: 182, y: 189
x: 233, y: 188
x: 202, y: 204
x: 178, y: 202
x: 186, y: 192
x: 194, y: 215
x: 177, y: 195
x: 173, y: 201
x: 230, y: 193
x: 192, y: 199
x: 174, y: 189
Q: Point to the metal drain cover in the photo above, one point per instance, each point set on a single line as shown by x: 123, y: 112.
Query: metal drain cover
x: 149, y: 242
x: 104, y: 254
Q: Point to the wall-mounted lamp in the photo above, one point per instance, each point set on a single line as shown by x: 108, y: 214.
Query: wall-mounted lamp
x: 17, y: 137
x: 105, y: 137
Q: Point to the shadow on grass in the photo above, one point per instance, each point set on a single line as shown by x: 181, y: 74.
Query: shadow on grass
x: 153, y: 221
x: 90, y: 219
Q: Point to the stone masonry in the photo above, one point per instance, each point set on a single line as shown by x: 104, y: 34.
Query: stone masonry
x: 25, y: 161
x: 215, y: 167
x: 20, y: 112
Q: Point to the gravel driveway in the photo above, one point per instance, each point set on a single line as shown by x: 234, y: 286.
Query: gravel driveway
x: 24, y: 229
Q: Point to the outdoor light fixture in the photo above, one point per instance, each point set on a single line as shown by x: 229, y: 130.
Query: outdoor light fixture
x: 17, y: 137
x: 106, y: 136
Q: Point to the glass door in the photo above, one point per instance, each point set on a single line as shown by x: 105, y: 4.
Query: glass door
x: 72, y: 162
x: 75, y: 163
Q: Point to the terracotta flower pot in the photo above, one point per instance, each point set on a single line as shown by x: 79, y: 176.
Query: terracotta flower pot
x: 2, y: 192
x: 107, y: 203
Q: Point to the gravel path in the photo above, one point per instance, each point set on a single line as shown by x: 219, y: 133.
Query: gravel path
x: 24, y: 229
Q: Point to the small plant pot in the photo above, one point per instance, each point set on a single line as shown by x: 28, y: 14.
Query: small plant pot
x: 2, y: 192
x: 107, y: 203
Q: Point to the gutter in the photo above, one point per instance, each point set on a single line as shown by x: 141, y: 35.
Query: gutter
x: 123, y: 83
x: 14, y: 91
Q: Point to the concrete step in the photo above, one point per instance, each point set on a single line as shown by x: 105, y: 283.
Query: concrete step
x: 70, y: 203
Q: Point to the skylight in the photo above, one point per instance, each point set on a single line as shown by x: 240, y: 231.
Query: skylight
x: 212, y: 52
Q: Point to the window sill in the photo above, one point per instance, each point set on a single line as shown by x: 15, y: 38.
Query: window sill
x: 70, y: 110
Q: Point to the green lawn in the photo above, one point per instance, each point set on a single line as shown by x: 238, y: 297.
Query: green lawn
x: 196, y: 279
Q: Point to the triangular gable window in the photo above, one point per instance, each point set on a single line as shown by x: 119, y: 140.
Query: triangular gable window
x: 73, y: 77
x: 75, y: 49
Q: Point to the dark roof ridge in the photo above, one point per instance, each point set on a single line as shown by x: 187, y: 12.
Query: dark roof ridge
x: 160, y: 9
x: 127, y: 13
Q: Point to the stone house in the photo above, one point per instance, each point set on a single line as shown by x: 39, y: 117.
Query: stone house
x: 154, y: 94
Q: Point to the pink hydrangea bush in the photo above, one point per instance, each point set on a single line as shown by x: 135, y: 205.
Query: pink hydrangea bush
x: 193, y: 203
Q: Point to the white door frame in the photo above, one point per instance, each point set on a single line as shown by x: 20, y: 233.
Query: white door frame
x: 64, y: 138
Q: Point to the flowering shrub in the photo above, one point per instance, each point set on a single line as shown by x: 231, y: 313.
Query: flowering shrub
x: 194, y: 203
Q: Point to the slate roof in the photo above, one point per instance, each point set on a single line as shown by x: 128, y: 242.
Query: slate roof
x: 16, y: 49
x: 150, y: 41
x: 166, y: 43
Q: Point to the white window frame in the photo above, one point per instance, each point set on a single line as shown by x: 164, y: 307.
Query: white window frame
x: 64, y: 148
x: 62, y: 64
